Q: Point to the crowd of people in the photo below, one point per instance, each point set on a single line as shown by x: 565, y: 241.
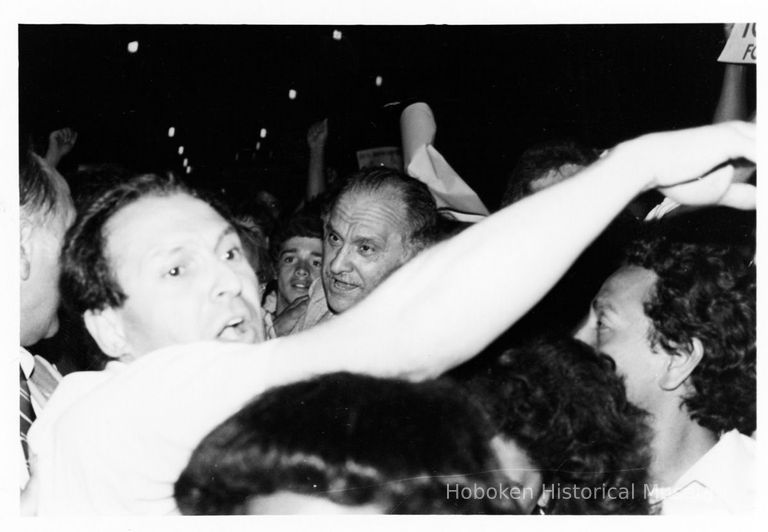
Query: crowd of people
x: 578, y: 351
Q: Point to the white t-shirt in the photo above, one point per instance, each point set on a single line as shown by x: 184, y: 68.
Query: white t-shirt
x: 114, y: 442
x: 721, y: 482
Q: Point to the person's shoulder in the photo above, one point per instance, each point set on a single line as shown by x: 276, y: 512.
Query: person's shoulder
x: 70, y: 392
x: 738, y: 443
x: 79, y: 383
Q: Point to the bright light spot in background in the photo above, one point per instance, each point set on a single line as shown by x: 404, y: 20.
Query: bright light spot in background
x: 258, y: 146
x: 133, y: 47
x: 181, y: 150
x: 379, y: 80
x: 263, y: 133
x: 189, y: 169
x: 171, y: 131
x: 291, y: 94
x: 185, y: 162
x: 336, y: 35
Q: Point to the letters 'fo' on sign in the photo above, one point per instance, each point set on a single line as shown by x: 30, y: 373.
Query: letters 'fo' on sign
x: 741, y: 47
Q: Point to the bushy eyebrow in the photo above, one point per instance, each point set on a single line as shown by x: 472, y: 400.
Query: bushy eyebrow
x: 367, y: 241
x: 378, y: 240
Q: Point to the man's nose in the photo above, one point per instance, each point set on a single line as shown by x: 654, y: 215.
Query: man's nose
x: 226, y: 281
x: 302, y: 269
x: 340, y: 260
x: 586, y: 331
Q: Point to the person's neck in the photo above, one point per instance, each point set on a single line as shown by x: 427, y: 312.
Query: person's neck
x: 678, y: 443
x: 281, y: 304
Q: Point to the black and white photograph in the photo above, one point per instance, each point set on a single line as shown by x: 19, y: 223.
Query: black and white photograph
x: 483, y: 264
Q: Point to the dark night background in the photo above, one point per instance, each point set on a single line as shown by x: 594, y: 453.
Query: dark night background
x: 495, y: 90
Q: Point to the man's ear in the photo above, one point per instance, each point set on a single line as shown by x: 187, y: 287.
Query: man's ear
x: 25, y: 251
x: 681, y: 364
x: 106, y: 328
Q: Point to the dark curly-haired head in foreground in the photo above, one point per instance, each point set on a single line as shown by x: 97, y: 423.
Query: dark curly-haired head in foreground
x: 564, y: 406
x: 365, y: 444
x: 706, y: 292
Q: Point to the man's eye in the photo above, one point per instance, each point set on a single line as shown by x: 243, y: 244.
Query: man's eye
x: 366, y: 250
x: 174, y: 272
x: 602, y: 330
x: 288, y: 260
x: 316, y: 263
x: 233, y: 254
x: 333, y: 238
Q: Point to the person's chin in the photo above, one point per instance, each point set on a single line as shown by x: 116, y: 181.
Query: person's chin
x: 340, y: 302
x: 296, y: 293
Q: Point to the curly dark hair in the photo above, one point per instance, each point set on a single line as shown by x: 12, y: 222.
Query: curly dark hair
x: 706, y: 291
x: 350, y: 439
x: 563, y: 404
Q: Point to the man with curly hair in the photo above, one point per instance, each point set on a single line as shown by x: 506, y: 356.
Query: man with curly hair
x: 565, y: 430
x: 679, y: 320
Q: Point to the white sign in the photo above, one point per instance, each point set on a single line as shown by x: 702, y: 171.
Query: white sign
x: 388, y: 156
x: 741, y: 47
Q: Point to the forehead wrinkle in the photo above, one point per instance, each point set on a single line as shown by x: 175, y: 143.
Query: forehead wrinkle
x: 381, y: 216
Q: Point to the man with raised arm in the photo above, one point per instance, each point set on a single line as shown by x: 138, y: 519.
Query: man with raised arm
x: 115, y: 442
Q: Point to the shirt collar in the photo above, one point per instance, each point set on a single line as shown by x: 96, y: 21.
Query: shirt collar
x: 725, y: 470
x: 27, y: 362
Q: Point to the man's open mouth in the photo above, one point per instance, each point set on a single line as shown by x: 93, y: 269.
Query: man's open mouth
x: 235, y: 330
x: 340, y: 286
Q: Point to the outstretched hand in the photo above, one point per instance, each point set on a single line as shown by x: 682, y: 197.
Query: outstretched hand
x: 716, y: 188
x: 690, y: 165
